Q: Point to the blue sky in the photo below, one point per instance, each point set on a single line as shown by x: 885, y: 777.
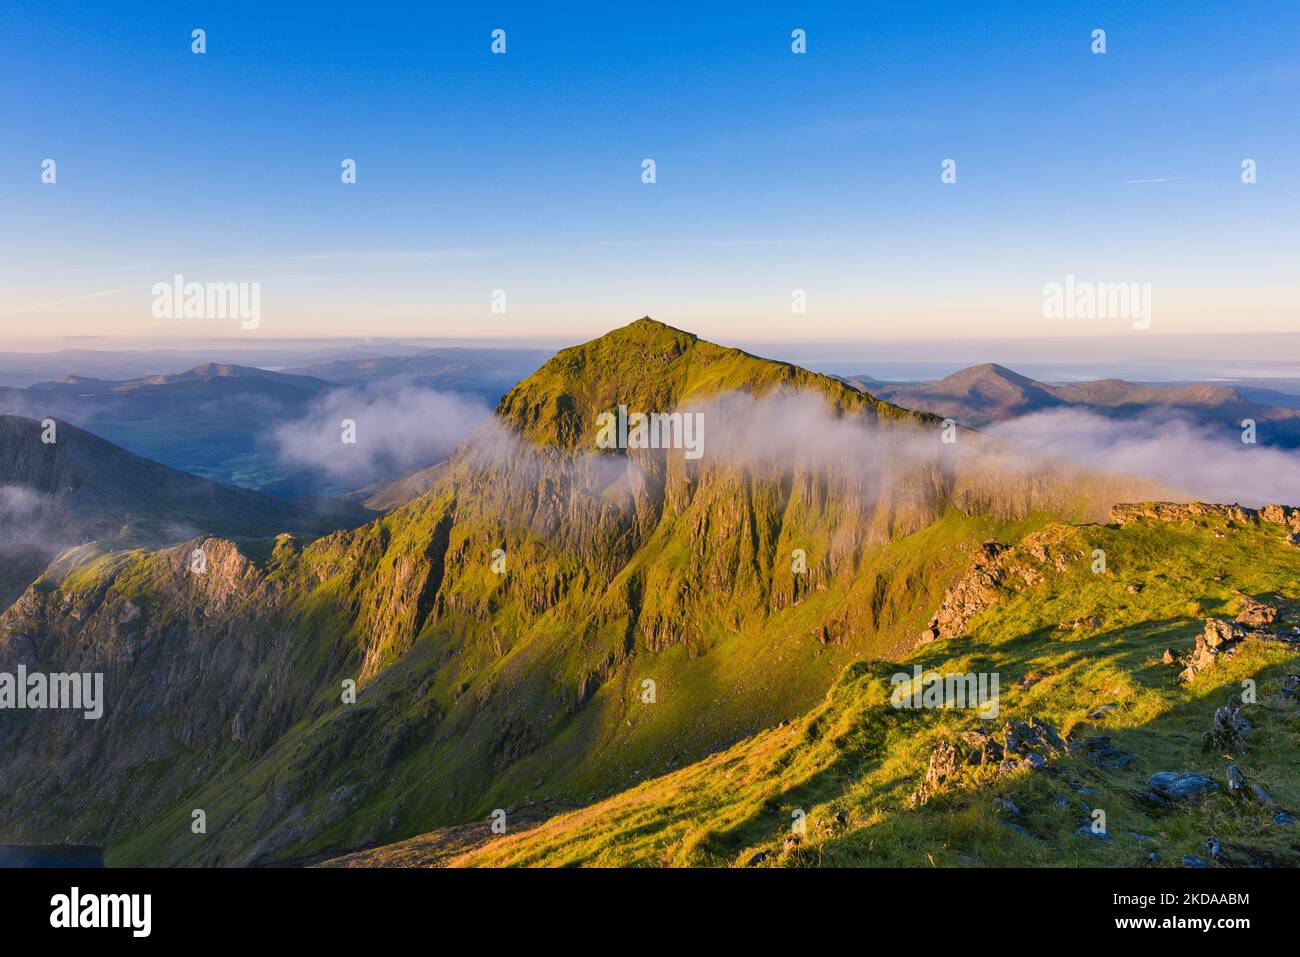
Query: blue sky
x: 775, y: 171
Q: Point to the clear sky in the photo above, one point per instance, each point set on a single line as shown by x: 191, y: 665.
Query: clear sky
x: 522, y: 171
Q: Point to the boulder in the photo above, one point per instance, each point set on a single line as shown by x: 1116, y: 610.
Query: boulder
x: 1236, y: 782
x: 1181, y: 785
x: 1086, y: 830
x: 1229, y: 727
x: 1260, y: 795
x: 1006, y: 807
x: 1102, y: 754
x: 1256, y: 614
x: 1291, y: 688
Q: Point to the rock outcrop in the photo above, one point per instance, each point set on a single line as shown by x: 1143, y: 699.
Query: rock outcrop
x: 1018, y: 744
x: 999, y: 570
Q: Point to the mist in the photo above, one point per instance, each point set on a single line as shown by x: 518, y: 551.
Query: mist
x: 1211, y: 464
x: 399, y: 429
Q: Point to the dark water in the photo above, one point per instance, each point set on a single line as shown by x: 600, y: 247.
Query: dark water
x: 50, y: 855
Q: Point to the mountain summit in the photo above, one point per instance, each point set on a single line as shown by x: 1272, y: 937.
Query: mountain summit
x: 650, y: 366
x: 976, y: 395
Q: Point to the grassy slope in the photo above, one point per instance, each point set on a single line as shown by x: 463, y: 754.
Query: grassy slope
x: 761, y: 673
x: 855, y: 753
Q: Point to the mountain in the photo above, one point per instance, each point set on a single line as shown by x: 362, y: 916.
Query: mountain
x: 975, y: 396
x: 1096, y: 712
x: 272, y: 431
x: 984, y: 394
x: 80, y: 488
x: 507, y: 627
x: 213, y: 420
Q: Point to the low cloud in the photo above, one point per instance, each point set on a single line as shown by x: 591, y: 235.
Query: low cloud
x: 1213, y: 464
x: 18, y: 502
x: 399, y: 429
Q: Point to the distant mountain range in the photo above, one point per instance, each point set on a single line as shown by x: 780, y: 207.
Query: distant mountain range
x: 19, y: 369
x: 219, y: 420
x: 487, y: 373
x: 80, y: 489
x: 213, y: 420
x: 985, y: 394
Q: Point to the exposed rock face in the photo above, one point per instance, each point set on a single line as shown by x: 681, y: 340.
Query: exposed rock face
x: 999, y: 570
x: 1229, y: 727
x: 1197, y: 512
x: 1019, y: 744
x: 1222, y: 638
x: 1219, y: 638
x: 978, y: 590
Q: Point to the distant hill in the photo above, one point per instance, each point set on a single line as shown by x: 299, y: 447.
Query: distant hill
x: 486, y: 373
x: 119, y: 365
x: 213, y: 420
x: 984, y: 394
x: 82, y: 488
x: 219, y: 420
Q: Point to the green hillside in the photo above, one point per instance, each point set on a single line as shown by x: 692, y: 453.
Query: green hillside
x: 741, y: 586
x: 1081, y: 651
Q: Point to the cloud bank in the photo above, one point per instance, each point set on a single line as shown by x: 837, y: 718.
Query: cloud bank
x: 1212, y: 464
x: 398, y: 429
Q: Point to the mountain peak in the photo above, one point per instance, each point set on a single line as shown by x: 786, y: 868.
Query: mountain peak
x: 976, y: 395
x: 651, y: 367
x: 653, y: 328
x: 989, y: 372
x: 223, y: 370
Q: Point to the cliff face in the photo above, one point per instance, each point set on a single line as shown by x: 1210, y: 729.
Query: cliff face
x: 549, y: 620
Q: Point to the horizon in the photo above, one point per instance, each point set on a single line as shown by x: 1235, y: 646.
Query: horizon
x: 1175, y: 358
